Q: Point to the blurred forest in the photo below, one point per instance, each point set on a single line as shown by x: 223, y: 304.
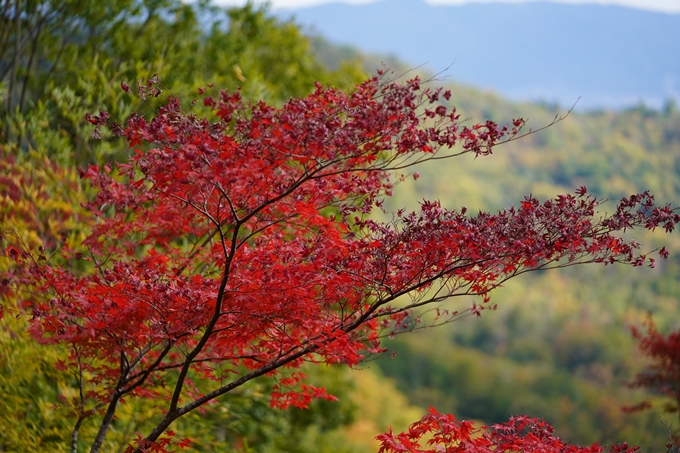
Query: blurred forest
x: 558, y: 346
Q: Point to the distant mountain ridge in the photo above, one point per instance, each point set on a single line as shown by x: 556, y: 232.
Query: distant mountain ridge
x: 609, y: 56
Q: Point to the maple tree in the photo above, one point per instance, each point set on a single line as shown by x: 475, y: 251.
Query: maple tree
x: 663, y: 374
x: 238, y: 245
x: 445, y: 434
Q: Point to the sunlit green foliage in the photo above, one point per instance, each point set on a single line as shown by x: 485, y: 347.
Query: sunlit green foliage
x: 32, y: 414
x: 62, y: 59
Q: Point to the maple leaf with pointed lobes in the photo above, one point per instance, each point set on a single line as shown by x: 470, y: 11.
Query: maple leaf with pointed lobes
x: 238, y: 246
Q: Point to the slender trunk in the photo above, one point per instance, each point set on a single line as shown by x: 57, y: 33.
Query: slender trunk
x: 14, y: 63
x: 21, y: 133
x: 181, y: 411
x: 74, y: 435
x: 219, y: 300
x: 106, y: 424
x: 5, y: 34
x: 146, y: 23
x: 53, y: 68
x: 28, y: 67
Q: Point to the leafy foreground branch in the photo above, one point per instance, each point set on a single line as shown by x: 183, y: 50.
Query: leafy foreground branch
x: 238, y: 246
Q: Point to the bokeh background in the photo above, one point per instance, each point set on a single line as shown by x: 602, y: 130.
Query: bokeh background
x: 558, y: 346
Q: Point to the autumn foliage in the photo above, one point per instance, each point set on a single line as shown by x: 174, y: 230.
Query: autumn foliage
x: 663, y: 373
x: 237, y: 244
x: 442, y: 433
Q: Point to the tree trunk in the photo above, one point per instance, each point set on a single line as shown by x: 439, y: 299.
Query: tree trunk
x: 106, y: 424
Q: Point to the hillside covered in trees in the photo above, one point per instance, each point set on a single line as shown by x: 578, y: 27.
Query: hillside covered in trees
x: 557, y: 346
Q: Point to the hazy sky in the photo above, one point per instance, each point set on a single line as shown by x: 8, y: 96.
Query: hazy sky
x: 669, y: 6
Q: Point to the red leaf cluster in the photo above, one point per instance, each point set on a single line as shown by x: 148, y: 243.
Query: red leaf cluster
x: 445, y: 434
x: 663, y: 373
